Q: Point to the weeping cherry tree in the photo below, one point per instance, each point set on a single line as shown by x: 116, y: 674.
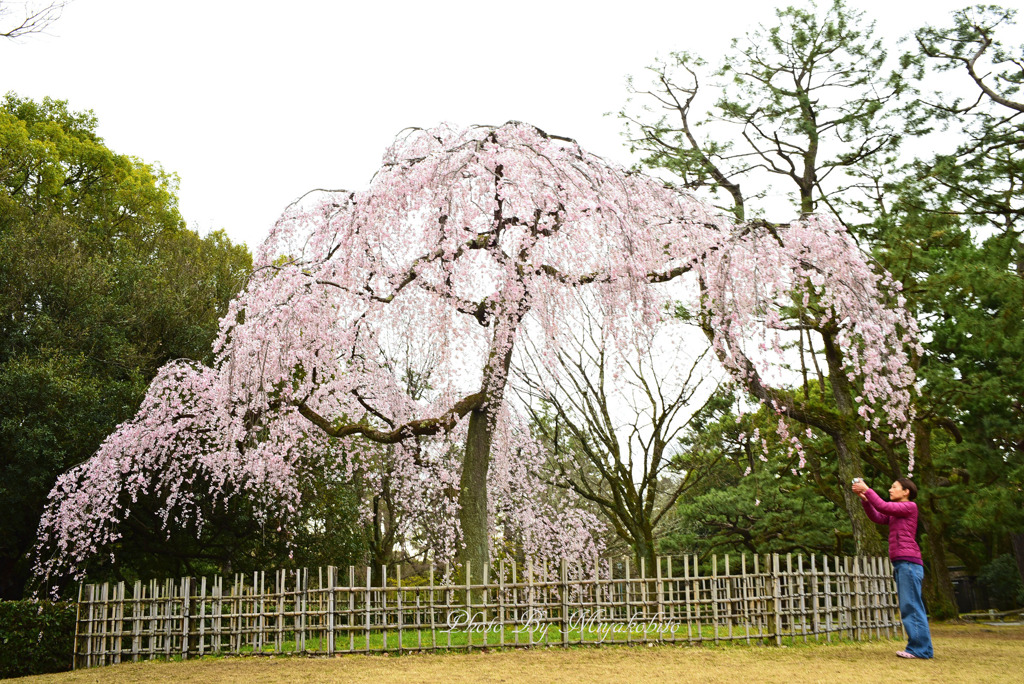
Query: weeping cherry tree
x: 463, y: 238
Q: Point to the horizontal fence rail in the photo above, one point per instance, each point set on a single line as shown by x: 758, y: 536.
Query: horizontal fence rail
x: 760, y: 598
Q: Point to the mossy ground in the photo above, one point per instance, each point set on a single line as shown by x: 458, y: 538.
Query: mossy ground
x: 964, y: 653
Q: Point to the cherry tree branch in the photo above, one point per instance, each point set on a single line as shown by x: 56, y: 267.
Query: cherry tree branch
x: 422, y: 427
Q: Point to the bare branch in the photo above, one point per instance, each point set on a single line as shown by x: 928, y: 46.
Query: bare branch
x: 34, y: 19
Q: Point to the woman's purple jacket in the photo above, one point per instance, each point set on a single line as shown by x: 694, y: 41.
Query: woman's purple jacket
x: 901, y: 517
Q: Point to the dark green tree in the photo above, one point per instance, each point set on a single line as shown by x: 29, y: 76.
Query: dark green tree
x: 967, y: 200
x: 239, y: 536
x: 755, y: 499
x: 947, y: 227
x: 100, y: 284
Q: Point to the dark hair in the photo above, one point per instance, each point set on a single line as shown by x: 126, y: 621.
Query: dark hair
x: 909, y: 485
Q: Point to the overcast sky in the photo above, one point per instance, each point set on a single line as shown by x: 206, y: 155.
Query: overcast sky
x: 252, y: 104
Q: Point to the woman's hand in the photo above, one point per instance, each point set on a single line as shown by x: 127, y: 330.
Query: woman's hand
x: 860, y: 488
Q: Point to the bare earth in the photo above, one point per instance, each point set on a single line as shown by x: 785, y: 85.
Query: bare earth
x: 964, y: 653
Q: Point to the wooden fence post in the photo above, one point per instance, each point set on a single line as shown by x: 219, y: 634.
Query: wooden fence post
x: 643, y: 593
x: 688, y: 596
x: 501, y: 601
x: 384, y: 606
x: 136, y: 620
x: 517, y: 611
x: 564, y: 581
x: 367, y: 603
x: 105, y: 624
x: 802, y: 589
x: 88, y: 626
x: 730, y: 612
x: 815, y: 621
x: 201, y: 647
x: 858, y: 608
x: 659, y: 590
x: 186, y: 600
x: 350, y: 620
x: 776, y: 592
x: 78, y: 619
x: 235, y: 622
x: 117, y: 643
x: 727, y: 581
x: 430, y: 608
x: 629, y: 603
x: 398, y: 602
x: 330, y: 610
x: 714, y: 593
x: 468, y: 603
x: 745, y: 596
x: 217, y: 622
x: 529, y: 596
x: 261, y: 597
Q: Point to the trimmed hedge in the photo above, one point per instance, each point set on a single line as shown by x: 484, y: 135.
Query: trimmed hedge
x: 36, y: 637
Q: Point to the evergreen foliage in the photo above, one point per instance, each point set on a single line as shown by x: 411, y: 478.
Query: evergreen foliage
x: 36, y: 637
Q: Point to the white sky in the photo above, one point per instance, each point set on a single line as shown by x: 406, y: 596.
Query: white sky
x: 252, y: 104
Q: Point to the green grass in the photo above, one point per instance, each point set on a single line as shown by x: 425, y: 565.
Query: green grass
x: 492, y: 637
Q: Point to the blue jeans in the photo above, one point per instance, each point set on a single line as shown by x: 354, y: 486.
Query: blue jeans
x: 908, y: 578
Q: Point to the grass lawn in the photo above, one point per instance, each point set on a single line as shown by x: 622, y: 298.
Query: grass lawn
x: 460, y: 637
x: 964, y: 653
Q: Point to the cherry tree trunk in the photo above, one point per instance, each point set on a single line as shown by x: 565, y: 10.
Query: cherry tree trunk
x: 847, y: 441
x: 473, y: 482
x: 865, y: 535
x: 473, y: 492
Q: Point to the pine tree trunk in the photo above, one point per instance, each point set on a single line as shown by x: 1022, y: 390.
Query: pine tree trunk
x: 1017, y: 540
x: 938, y: 587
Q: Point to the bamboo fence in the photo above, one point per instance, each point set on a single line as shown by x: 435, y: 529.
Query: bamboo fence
x: 759, y: 598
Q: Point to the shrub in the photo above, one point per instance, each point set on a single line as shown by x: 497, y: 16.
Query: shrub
x: 1001, y: 581
x: 36, y: 637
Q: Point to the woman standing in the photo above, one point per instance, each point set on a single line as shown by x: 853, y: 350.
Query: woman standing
x: 900, y: 514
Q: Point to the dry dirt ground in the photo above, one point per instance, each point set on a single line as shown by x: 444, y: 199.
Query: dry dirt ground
x: 964, y: 653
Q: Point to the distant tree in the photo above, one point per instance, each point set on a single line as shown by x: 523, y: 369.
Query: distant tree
x: 946, y: 226
x: 611, y: 413
x: 755, y: 498
x: 803, y: 100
